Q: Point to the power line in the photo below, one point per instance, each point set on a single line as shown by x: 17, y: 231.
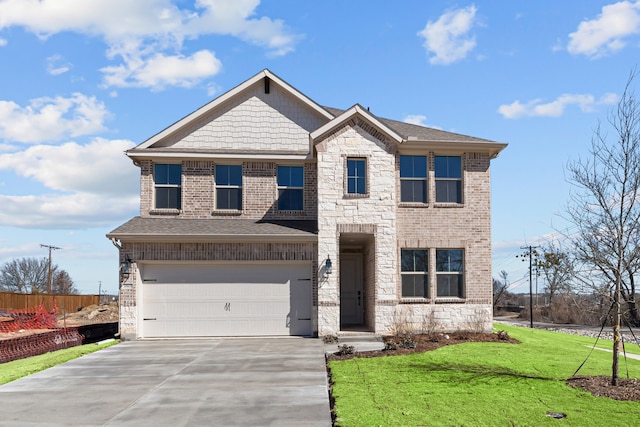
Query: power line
x: 530, y: 255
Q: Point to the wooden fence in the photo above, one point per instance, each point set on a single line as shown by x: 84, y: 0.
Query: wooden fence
x: 67, y: 303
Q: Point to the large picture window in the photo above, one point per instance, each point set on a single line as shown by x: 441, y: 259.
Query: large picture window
x: 413, y: 179
x: 229, y: 187
x: 449, y: 272
x: 290, y: 188
x: 448, y: 173
x: 167, y: 180
x: 356, y: 176
x: 414, y: 272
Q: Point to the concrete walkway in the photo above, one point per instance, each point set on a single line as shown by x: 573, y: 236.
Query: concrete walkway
x: 208, y: 382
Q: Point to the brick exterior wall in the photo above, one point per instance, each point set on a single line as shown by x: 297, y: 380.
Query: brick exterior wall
x: 259, y: 191
x: 445, y: 226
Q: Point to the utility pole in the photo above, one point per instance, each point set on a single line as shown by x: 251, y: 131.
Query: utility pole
x: 99, y: 291
x: 530, y: 255
x: 49, y: 269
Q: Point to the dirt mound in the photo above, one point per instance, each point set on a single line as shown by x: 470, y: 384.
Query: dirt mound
x: 92, y: 314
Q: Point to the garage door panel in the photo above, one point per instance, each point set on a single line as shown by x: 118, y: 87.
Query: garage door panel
x: 240, y: 300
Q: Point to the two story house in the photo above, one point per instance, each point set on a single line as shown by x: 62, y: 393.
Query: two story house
x: 265, y: 213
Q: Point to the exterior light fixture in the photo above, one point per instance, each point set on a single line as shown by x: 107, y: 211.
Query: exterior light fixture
x: 125, y: 266
x: 327, y: 265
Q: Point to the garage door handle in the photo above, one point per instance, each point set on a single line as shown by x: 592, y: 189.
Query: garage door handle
x: 150, y: 318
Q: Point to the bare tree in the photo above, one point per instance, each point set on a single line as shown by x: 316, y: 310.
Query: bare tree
x: 30, y: 275
x: 500, y: 287
x: 605, y: 209
x: 557, y: 270
x: 25, y: 275
x: 62, y: 284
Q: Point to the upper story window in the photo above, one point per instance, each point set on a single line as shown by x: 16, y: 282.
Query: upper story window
x: 290, y: 188
x: 167, y: 180
x: 229, y: 187
x: 448, y: 173
x: 356, y: 176
x: 449, y: 272
x: 414, y: 271
x: 413, y: 179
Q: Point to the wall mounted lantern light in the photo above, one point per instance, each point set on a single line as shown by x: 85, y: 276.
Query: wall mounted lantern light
x: 327, y: 265
x: 125, y: 266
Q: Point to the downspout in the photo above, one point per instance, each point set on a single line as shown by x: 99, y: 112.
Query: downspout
x: 119, y: 246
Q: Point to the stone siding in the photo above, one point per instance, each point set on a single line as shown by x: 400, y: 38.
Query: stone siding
x: 373, y: 214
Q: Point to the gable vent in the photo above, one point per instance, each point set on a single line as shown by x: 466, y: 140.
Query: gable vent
x: 266, y: 85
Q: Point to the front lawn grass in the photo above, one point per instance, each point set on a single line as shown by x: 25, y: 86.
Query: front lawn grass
x: 11, y: 371
x: 482, y: 384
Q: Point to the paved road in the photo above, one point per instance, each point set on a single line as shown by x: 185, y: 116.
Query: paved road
x: 209, y: 382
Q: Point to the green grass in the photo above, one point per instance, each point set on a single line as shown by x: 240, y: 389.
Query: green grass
x: 11, y: 371
x: 482, y: 384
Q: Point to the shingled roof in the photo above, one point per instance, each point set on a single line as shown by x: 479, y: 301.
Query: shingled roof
x: 417, y: 132
x: 237, y: 229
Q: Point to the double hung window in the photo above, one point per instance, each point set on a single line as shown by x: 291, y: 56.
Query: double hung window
x: 168, y: 191
x: 449, y: 272
x: 229, y: 187
x: 448, y: 173
x: 290, y: 188
x: 356, y: 176
x: 413, y: 179
x: 414, y: 272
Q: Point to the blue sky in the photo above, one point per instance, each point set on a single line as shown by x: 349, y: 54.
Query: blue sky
x: 84, y: 81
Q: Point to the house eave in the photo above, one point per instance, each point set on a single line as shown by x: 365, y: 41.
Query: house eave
x: 136, y: 155
x: 217, y: 238
x: 491, y: 148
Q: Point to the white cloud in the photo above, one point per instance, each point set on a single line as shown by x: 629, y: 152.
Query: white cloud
x: 448, y: 38
x: 415, y: 119
x: 51, y: 119
x: 99, y: 167
x: 142, y: 32
x: 64, y: 211
x: 160, y: 71
x: 56, y: 65
x: 536, y: 108
x: 90, y: 185
x: 606, y: 33
x: 3, y: 42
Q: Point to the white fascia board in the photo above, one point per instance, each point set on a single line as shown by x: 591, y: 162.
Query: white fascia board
x: 217, y: 238
x: 208, y: 156
x: 185, y: 121
x: 492, y: 148
x: 347, y: 115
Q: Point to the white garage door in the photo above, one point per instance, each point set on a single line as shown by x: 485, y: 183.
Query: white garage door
x: 189, y: 300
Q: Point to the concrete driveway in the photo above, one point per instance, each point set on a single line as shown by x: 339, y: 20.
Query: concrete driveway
x: 207, y: 382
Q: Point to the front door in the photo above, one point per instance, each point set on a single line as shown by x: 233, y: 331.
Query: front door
x: 351, y: 297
